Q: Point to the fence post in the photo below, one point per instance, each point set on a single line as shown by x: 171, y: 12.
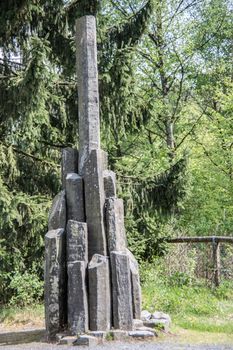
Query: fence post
x: 217, y: 262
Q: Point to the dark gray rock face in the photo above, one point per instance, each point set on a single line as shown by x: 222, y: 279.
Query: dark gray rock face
x: 77, y: 246
x: 69, y: 163
x: 55, y: 282
x: 109, y: 183
x: 81, y: 282
x: 86, y: 340
x: 99, y: 293
x: 121, y: 291
x: 88, y: 90
x: 94, y: 201
x: 115, y: 224
x: 57, y: 214
x: 77, y: 298
x: 135, y: 284
x: 141, y: 334
x: 75, y: 197
x: 77, y: 290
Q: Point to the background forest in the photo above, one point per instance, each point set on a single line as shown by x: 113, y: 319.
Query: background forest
x: 166, y: 85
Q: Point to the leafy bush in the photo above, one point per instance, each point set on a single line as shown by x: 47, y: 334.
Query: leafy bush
x: 27, y: 288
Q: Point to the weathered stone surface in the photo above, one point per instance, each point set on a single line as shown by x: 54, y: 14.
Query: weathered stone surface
x: 98, y: 334
x: 77, y: 298
x: 137, y: 323
x: 67, y: 340
x: 135, y: 284
x: 136, y: 293
x: 61, y: 335
x: 88, y: 91
x: 145, y: 315
x: 149, y: 329
x: 94, y: 202
x: 77, y: 245
x: 75, y: 197
x: 86, y: 340
x: 159, y: 320
x: 141, y: 334
x: 99, y: 293
x: 115, y: 224
x: 121, y: 291
x: 69, y: 163
x: 109, y: 183
x: 116, y: 334
x: 157, y: 323
x: 55, y: 282
x: 57, y: 213
x: 161, y: 316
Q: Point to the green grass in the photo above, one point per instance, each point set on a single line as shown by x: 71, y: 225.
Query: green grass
x: 26, y: 317
x: 192, y: 307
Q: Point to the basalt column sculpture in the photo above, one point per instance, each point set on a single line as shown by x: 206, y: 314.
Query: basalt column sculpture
x: 91, y: 278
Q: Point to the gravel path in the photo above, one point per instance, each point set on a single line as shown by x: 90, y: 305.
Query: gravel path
x: 120, y: 346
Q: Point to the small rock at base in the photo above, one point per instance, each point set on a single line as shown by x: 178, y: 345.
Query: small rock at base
x: 147, y: 329
x: 86, y: 340
x: 68, y: 340
x: 117, y: 334
x: 137, y: 323
x: 158, y: 323
x: 161, y: 315
x: 98, y: 334
x: 145, y: 315
x: 59, y: 336
x: 141, y: 334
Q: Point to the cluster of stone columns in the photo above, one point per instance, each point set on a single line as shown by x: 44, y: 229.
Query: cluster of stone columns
x: 91, y: 278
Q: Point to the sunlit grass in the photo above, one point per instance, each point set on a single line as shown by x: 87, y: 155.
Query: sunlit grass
x: 27, y: 317
x: 193, y: 307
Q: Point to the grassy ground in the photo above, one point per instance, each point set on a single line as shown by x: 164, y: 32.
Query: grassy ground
x: 199, y: 313
x: 13, y: 318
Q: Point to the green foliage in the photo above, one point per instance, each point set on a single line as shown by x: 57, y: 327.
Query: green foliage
x: 26, y: 288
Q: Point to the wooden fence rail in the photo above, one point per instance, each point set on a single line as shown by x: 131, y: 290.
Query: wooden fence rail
x: 215, y: 240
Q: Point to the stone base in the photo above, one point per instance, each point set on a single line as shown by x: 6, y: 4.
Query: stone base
x: 94, y: 338
x: 67, y: 340
x: 82, y: 340
x: 118, y: 334
x: 141, y: 334
x: 86, y: 340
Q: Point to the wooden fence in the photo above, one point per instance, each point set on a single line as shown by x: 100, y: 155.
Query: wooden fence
x: 215, y: 241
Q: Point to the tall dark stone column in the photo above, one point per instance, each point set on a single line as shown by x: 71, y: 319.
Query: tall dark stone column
x: 91, y: 279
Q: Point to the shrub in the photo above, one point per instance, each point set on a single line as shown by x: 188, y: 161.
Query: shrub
x: 27, y: 288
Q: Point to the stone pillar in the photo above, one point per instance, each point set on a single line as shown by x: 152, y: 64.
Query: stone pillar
x: 116, y: 236
x: 88, y: 91
x: 99, y: 293
x: 77, y: 291
x: 69, y: 163
x: 135, y: 285
x: 57, y: 213
x: 75, y: 197
x: 94, y: 203
x: 77, y: 298
x: 109, y: 183
x: 77, y: 246
x: 121, y: 291
x: 55, y: 282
